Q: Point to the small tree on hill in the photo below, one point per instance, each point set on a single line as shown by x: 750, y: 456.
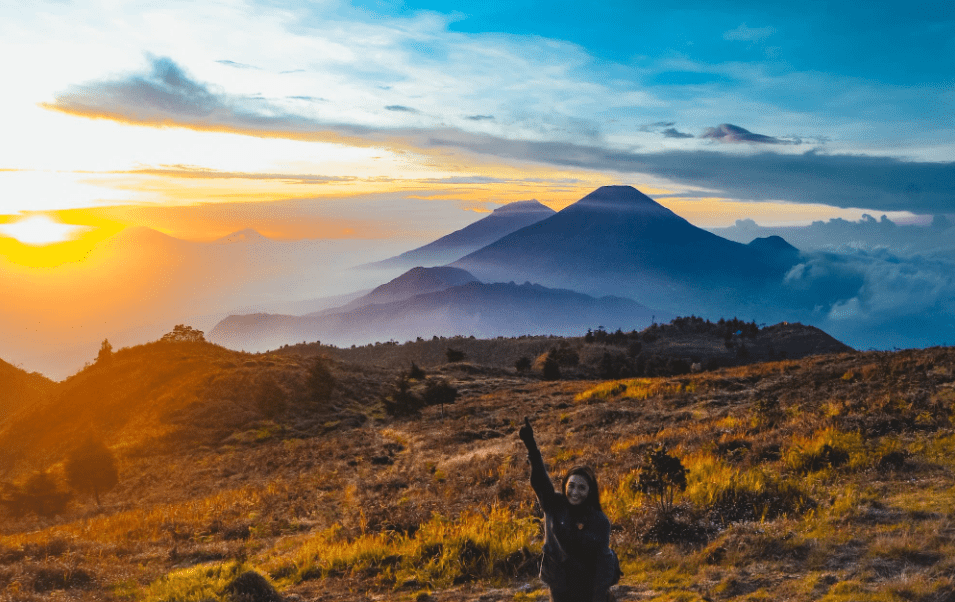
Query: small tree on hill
x: 416, y: 373
x: 184, y: 334
x: 402, y: 401
x: 661, y: 477
x: 551, y: 369
x: 105, y: 355
x: 439, y: 392
x: 454, y: 355
x: 42, y: 496
x: 321, y: 383
x: 523, y: 364
x: 91, y: 468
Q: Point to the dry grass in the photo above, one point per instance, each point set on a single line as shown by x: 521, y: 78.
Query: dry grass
x: 803, y: 484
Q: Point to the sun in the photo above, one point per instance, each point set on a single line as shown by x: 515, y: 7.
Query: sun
x: 39, y: 230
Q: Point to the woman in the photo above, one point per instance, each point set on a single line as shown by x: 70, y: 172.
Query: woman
x: 578, y: 564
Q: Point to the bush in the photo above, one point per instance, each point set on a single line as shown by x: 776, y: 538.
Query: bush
x: 661, y: 477
x: 402, y: 401
x: 416, y: 373
x: 321, y: 383
x: 39, y: 495
x: 523, y: 364
x: 439, y: 392
x: 551, y: 369
x: 454, y: 355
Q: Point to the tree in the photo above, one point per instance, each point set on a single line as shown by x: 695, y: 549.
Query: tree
x: 439, y: 392
x: 661, y: 476
x: 416, y: 373
x: 91, y: 468
x: 184, y: 334
x: 454, y: 355
x: 41, y: 495
x: 551, y: 369
x: 320, y: 381
x: 105, y: 355
x: 402, y: 401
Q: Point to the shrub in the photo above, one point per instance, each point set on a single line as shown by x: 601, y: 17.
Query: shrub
x: 523, y: 364
x: 402, y: 401
x: 416, y: 373
x: 661, y: 477
x: 321, y: 383
x: 551, y: 369
x: 439, y: 392
x: 454, y: 355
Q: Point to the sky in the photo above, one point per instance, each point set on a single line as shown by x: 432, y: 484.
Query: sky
x: 720, y: 110
x: 397, y: 121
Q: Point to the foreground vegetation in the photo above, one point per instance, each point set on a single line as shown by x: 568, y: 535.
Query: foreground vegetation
x: 826, y: 478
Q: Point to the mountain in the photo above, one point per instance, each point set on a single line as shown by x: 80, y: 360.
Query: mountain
x: 446, y: 249
x: 618, y: 241
x: 472, y: 309
x: 416, y: 281
x: 247, y: 236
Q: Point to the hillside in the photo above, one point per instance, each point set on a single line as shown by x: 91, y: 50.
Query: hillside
x: 168, y: 397
x: 20, y: 389
x: 827, y: 478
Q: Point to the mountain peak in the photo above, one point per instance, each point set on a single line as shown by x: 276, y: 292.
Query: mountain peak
x: 247, y: 235
x: 520, y: 207
x: 618, y: 198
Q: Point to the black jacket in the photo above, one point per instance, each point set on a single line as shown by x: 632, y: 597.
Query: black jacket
x: 577, y: 556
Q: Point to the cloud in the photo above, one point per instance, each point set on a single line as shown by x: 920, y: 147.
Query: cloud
x: 727, y: 132
x: 653, y: 127
x: 879, y: 299
x: 748, y: 34
x: 673, y: 133
x: 199, y: 173
x: 838, y: 180
x: 401, y: 109
x: 479, y: 117
x: 229, y: 63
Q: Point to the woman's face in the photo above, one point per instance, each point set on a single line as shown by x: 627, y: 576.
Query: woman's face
x: 577, y: 489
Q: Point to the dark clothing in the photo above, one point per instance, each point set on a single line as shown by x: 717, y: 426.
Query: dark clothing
x: 578, y: 564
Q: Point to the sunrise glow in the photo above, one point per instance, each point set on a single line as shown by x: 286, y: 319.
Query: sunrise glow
x: 39, y: 230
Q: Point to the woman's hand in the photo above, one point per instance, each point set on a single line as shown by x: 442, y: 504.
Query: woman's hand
x: 527, y: 433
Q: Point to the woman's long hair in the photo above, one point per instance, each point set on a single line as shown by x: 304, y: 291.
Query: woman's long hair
x: 593, y: 496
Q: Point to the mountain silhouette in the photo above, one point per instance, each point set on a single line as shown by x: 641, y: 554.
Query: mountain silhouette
x: 248, y: 235
x: 618, y: 241
x: 416, y: 281
x: 446, y: 249
x: 475, y: 308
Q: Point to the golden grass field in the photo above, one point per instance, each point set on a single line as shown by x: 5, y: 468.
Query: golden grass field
x: 824, y: 478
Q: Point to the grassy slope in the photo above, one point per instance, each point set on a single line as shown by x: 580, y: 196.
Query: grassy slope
x: 440, y: 504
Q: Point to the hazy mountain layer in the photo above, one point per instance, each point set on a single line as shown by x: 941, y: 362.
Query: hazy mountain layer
x: 475, y: 308
x: 446, y: 249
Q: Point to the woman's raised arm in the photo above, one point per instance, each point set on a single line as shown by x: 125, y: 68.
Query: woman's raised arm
x: 540, y: 480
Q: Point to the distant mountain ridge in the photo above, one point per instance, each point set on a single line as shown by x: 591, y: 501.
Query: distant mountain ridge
x: 502, y: 221
x: 416, y: 281
x: 471, y: 309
